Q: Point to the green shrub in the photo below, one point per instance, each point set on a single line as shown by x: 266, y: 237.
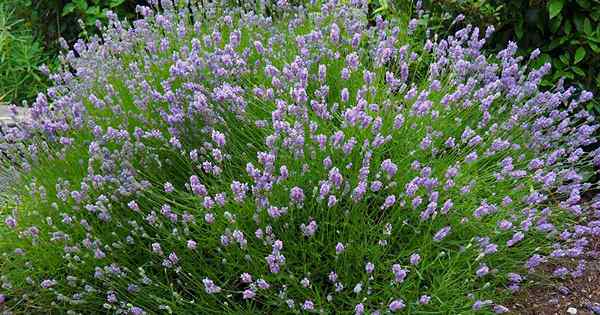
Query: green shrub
x: 223, y: 162
x: 566, y: 32
x: 53, y: 19
x: 29, y: 34
x: 20, y: 57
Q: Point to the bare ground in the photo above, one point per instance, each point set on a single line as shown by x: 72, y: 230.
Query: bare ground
x: 571, y: 296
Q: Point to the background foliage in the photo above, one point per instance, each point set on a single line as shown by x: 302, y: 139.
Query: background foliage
x: 52, y: 19
x: 29, y: 33
x: 567, y: 32
x: 20, y: 56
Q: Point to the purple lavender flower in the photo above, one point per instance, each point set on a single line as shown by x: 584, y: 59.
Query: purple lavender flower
x: 339, y: 248
x: 309, y: 229
x: 246, y: 277
x: 248, y: 294
x: 415, y: 259
x: 308, y: 305
x: 396, y: 305
x: 205, y: 125
x: 482, y: 270
x: 262, y: 284
x: 297, y: 195
x: 441, y: 234
x: 210, y: 287
x: 500, y: 309
x: 10, y: 222
x: 134, y: 310
x: 389, y: 201
x: 48, y: 283
x: 399, y: 273
x: 359, y: 309
x: 369, y: 267
x: 389, y: 168
x: 191, y: 244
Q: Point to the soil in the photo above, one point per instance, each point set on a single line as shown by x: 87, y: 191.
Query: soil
x: 579, y: 296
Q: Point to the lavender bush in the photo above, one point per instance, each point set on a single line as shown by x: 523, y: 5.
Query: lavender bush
x: 215, y: 161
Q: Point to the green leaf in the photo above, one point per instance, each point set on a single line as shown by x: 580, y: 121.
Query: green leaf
x: 554, y: 24
x: 554, y: 43
x: 383, y: 6
x: 569, y: 75
x: 545, y: 58
x: 593, y: 39
x: 587, y: 26
x: 554, y: 7
x: 116, y: 3
x: 584, y: 3
x: 564, y: 58
x: 594, y: 47
x: 519, y: 29
x: 579, y: 55
x: 81, y: 4
x: 578, y: 19
x: 93, y: 11
x: 578, y: 71
x: 68, y: 9
x: 567, y: 27
x: 541, y: 60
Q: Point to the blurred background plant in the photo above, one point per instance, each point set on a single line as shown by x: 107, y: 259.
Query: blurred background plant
x: 566, y: 31
x: 29, y: 33
x: 52, y: 19
x: 20, y: 56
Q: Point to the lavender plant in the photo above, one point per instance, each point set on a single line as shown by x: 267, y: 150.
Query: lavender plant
x: 216, y: 161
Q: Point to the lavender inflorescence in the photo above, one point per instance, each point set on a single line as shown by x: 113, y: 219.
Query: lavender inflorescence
x: 211, y: 160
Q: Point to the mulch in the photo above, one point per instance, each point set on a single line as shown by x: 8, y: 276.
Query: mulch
x: 579, y: 295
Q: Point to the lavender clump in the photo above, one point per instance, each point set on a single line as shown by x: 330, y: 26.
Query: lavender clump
x: 210, y: 159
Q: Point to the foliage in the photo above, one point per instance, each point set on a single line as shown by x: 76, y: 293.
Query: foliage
x: 30, y: 37
x: 20, y: 57
x: 53, y: 19
x: 566, y: 32
x: 218, y: 161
